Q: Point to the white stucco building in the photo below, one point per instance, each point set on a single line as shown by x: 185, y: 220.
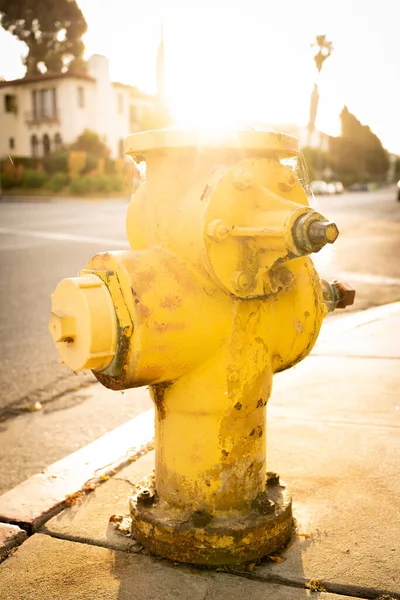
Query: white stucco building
x: 40, y: 114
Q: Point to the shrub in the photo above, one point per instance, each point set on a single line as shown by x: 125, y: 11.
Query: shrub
x: 57, y: 182
x: 56, y: 163
x: 26, y: 162
x: 109, y: 166
x: 79, y: 185
x: 118, y: 184
x: 76, y: 163
x: 100, y: 183
x: 8, y: 180
x: 34, y: 179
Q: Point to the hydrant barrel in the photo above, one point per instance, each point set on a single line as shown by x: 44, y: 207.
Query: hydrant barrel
x: 217, y: 293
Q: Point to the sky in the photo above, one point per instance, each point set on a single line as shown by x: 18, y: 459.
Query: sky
x: 251, y: 61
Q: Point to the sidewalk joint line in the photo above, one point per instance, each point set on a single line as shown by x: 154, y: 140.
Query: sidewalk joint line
x: 354, y: 591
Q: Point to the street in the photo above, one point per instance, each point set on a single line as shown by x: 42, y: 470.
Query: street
x: 46, y: 411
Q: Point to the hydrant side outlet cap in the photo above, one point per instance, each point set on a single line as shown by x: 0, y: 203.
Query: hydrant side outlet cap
x: 83, y: 323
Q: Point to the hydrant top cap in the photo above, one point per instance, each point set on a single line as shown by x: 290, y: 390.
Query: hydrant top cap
x: 262, y: 141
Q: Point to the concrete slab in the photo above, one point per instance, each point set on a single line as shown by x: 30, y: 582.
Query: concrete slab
x: 88, y: 520
x: 10, y: 536
x: 338, y: 323
x: 345, y: 484
x: 237, y: 588
x: 376, y: 339
x: 352, y: 391
x: 52, y: 569
x: 338, y: 448
x: 38, y: 498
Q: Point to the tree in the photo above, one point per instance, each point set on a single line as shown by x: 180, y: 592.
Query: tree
x: 315, y: 161
x: 90, y: 142
x: 397, y: 169
x: 325, y: 49
x: 52, y: 30
x: 358, y: 154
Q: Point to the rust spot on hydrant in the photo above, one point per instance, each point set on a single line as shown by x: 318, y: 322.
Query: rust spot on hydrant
x: 157, y: 393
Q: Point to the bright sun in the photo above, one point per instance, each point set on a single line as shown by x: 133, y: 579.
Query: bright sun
x: 223, y: 67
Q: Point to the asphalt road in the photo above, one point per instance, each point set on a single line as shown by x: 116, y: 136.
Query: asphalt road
x: 46, y: 411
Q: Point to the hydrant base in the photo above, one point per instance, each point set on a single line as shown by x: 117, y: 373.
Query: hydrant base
x: 197, y: 537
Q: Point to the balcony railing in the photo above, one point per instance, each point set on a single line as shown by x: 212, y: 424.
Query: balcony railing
x: 32, y: 118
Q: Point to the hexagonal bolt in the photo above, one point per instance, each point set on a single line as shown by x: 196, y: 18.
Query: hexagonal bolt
x: 272, y: 478
x: 311, y: 232
x: 242, y: 179
x: 200, y: 518
x: 62, y: 327
x: 146, y: 497
x: 263, y: 504
x: 242, y: 281
x: 345, y: 293
x: 321, y: 232
x: 218, y: 230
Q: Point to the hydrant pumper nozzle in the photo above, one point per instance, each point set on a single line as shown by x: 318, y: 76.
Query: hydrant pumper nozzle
x: 217, y: 293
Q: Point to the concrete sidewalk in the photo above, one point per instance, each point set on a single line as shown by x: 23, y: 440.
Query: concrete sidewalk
x: 333, y: 435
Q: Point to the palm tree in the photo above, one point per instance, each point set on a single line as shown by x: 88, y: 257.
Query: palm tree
x: 324, y: 50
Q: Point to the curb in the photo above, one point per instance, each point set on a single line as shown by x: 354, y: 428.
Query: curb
x: 42, y: 496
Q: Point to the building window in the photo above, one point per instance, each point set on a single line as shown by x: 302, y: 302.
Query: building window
x: 34, y: 105
x: 34, y: 146
x: 57, y: 142
x: 45, y: 103
x: 81, y: 97
x: 10, y: 103
x: 46, y: 144
x: 48, y: 106
x: 11, y: 143
x: 54, y: 102
x: 120, y: 103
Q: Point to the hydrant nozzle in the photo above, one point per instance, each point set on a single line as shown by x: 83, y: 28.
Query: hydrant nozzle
x: 216, y: 294
x: 312, y: 232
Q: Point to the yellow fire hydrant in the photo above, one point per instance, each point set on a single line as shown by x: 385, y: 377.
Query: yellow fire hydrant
x: 216, y: 295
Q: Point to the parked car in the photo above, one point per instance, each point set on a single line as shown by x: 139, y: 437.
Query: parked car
x: 319, y: 187
x: 339, y: 188
x: 359, y: 187
x: 398, y: 191
x: 331, y: 189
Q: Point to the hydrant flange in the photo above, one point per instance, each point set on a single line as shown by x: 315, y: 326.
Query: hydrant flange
x: 195, y: 536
